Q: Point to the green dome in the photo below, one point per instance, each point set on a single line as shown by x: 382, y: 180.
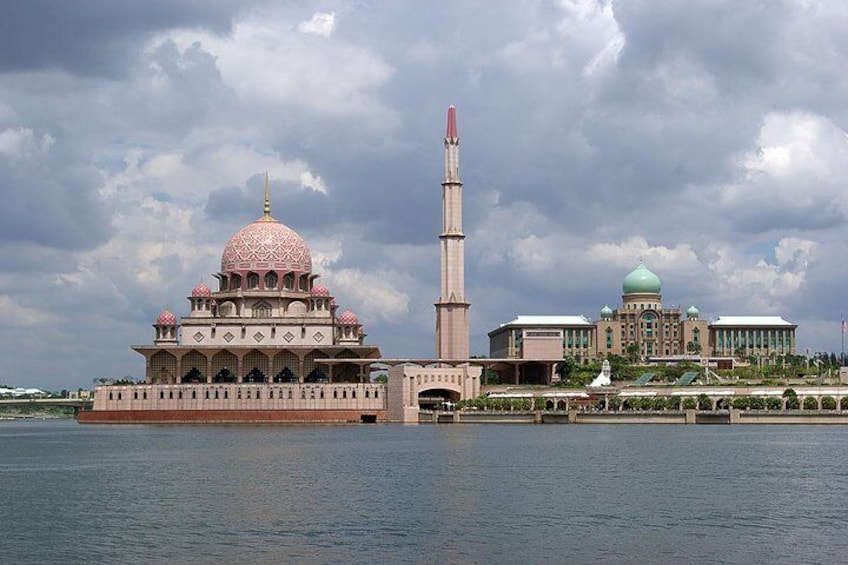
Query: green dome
x: 641, y: 280
x: 606, y: 312
x: 692, y: 311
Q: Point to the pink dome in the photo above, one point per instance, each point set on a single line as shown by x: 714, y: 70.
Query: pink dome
x: 320, y: 290
x: 166, y: 318
x: 266, y: 245
x: 201, y: 291
x: 348, y: 318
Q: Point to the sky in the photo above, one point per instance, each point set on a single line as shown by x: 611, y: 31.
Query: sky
x: 706, y: 137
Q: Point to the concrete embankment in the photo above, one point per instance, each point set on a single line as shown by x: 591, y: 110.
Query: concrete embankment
x: 725, y: 417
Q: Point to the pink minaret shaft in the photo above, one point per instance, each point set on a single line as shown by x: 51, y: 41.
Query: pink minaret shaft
x: 452, y: 308
x: 451, y: 133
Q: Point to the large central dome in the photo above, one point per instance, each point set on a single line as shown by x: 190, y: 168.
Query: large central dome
x: 266, y: 245
x: 641, y: 280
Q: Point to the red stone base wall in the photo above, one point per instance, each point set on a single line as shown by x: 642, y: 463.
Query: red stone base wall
x: 227, y: 416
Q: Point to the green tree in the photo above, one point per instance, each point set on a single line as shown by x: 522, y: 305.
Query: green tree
x: 565, y: 368
x: 634, y: 352
x: 492, y: 377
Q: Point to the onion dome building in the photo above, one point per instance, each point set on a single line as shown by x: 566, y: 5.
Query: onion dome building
x: 268, y: 321
x: 642, y: 327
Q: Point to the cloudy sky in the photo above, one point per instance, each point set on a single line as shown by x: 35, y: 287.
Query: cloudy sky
x: 708, y: 137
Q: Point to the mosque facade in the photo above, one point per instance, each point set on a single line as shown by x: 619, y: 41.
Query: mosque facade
x: 268, y: 344
x: 269, y: 321
x: 644, y: 328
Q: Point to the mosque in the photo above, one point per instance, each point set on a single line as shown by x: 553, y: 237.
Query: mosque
x: 269, y: 345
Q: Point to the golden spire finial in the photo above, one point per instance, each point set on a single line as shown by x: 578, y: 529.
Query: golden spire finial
x: 267, y: 197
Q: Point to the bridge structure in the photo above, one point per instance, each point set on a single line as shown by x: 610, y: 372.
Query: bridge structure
x: 76, y: 403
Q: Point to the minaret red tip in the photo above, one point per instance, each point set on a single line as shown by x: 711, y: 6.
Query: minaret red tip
x: 452, y: 133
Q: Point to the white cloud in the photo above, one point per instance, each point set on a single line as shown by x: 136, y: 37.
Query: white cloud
x: 319, y: 24
x: 793, y: 177
x: 264, y: 62
x: 759, y: 286
x: 586, y: 38
x: 20, y: 142
x: 375, y: 292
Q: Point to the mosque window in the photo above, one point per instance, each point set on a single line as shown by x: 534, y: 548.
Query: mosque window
x: 290, y: 394
x: 335, y: 394
x: 235, y: 282
x: 180, y: 395
x: 367, y: 393
x: 226, y: 394
x: 304, y: 282
x: 207, y: 394
x: 222, y: 283
x: 262, y: 310
x: 344, y: 394
x: 353, y: 393
x: 119, y: 396
x: 252, y: 281
x: 321, y: 394
x: 161, y: 395
x: 271, y: 280
x: 303, y: 395
x: 135, y: 395
x: 144, y: 395
x: 376, y: 394
x: 288, y: 282
x: 110, y: 396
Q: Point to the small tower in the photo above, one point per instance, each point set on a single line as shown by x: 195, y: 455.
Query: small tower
x: 201, y: 301
x: 452, y: 308
x: 165, y: 328
x: 349, y: 329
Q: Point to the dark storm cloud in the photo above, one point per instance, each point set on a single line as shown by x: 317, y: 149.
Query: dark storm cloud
x: 48, y: 202
x: 96, y: 37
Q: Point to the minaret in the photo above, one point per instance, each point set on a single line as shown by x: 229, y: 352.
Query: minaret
x: 452, y: 309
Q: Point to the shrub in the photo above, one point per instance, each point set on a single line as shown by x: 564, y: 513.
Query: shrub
x: 614, y: 403
x: 828, y: 403
x: 661, y: 403
x: 756, y: 402
x: 704, y: 402
x: 740, y: 403
x: 774, y: 403
x: 810, y: 403
x: 690, y: 403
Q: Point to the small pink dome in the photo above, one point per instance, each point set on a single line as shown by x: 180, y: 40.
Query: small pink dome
x: 320, y: 290
x: 201, y: 291
x: 266, y: 245
x: 166, y: 318
x: 348, y: 318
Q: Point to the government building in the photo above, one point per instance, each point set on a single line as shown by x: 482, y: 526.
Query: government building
x: 641, y: 327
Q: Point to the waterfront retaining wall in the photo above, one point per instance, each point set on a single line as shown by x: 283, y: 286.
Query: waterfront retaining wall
x: 230, y: 416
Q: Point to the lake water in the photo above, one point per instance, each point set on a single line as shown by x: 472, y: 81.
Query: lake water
x: 422, y: 494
